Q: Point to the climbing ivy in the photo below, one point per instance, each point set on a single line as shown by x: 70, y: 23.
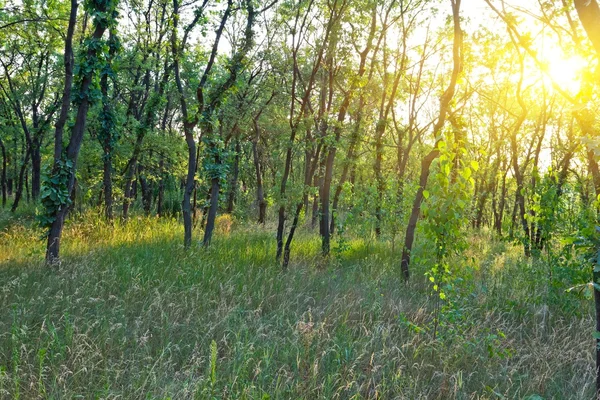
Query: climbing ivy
x: 91, y: 60
x: 108, y: 134
x: 54, y: 193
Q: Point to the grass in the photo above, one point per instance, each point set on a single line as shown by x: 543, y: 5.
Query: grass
x: 131, y: 315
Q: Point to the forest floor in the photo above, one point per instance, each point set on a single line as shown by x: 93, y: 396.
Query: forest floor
x: 131, y: 315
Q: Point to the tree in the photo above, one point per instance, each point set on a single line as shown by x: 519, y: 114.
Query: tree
x: 61, y: 182
x: 445, y: 100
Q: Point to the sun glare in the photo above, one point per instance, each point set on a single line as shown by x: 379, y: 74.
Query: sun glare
x: 564, y: 71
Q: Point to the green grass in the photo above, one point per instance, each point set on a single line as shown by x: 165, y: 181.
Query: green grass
x: 131, y: 315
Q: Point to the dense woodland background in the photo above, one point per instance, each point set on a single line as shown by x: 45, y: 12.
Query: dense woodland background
x: 299, y: 199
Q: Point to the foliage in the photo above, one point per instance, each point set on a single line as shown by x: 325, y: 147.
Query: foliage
x: 310, y: 111
x: 446, y: 209
x: 55, y: 192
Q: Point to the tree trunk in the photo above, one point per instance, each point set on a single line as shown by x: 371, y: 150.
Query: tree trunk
x: 288, y: 242
x: 445, y: 100
x: 314, y: 212
x: 27, y: 191
x: 414, y: 215
x: 379, y: 131
x: 281, y: 212
x: 72, y: 151
x: 36, y: 171
x: 234, y: 177
x: 589, y: 15
x: 350, y: 160
x: 107, y: 186
x: 147, y: 125
x: 146, y: 188
x: 190, y: 183
x: 20, y: 182
x: 3, y: 173
x: 107, y: 134
x: 520, y: 202
x: 499, y: 216
x: 260, y: 193
x: 131, y: 168
x: 212, y: 211
x: 53, y: 247
x: 315, y: 160
x: 294, y: 121
x: 161, y: 187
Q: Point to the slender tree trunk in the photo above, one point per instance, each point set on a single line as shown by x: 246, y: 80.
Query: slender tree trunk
x: 12, y: 184
x: 288, y: 242
x: 32, y: 144
x: 294, y: 122
x: 72, y: 151
x: 281, y: 212
x: 107, y: 187
x: 212, y: 211
x: 379, y: 131
x: 3, y: 173
x: 325, y: 192
x: 325, y: 195
x: 350, y: 161
x: 501, y: 206
x: 280, y: 227
x: 161, y: 187
x: 481, y: 202
x: 416, y: 210
x: 21, y: 180
x: 234, y: 177
x: 107, y: 134
x: 513, y: 219
x: 260, y: 192
x: 146, y: 188
x: 317, y: 182
x: 186, y: 206
x: 433, y: 154
x: 36, y: 171
x: 188, y: 129
x: 27, y: 187
x: 195, y: 194
x: 486, y: 188
x: 147, y: 124
x: 129, y: 175
x: 520, y: 202
x: 53, y: 247
x: 309, y: 174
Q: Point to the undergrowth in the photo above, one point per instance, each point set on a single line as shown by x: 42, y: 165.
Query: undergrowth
x: 130, y: 314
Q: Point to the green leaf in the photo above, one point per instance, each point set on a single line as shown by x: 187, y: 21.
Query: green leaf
x: 467, y: 173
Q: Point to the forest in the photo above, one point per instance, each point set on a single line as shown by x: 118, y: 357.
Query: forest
x: 300, y: 199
